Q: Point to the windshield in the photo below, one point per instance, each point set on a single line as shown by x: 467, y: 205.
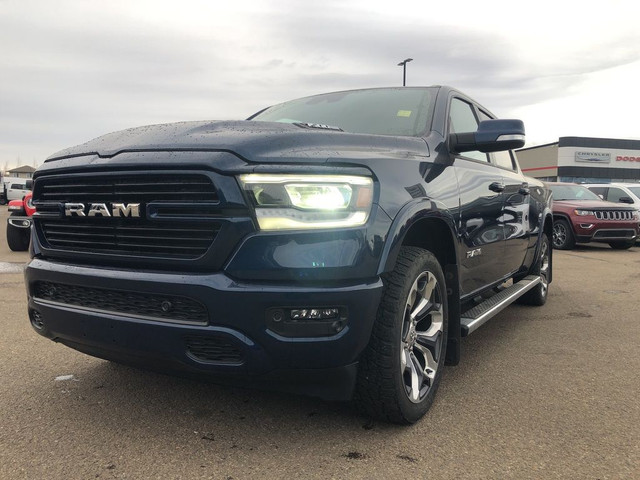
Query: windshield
x: 572, y: 192
x: 402, y: 111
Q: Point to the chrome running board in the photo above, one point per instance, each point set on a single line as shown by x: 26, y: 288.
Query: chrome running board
x: 480, y: 314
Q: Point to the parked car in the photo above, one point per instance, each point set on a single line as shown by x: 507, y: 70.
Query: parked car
x: 581, y: 216
x: 19, y: 223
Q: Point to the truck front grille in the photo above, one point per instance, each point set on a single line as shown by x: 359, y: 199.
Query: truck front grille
x: 166, y: 239
x: 614, y: 215
x: 150, y: 306
x: 177, y: 220
x: 127, y: 187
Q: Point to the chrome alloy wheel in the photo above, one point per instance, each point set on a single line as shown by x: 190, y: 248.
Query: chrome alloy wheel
x: 559, y: 234
x: 422, y: 335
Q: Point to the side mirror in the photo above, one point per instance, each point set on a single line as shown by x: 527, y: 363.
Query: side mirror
x: 626, y: 200
x: 491, y: 136
x: 28, y: 184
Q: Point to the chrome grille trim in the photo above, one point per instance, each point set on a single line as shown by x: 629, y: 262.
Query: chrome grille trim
x: 614, y: 215
x: 178, y: 213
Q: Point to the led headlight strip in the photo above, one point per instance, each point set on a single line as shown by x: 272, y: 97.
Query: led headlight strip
x: 288, y: 202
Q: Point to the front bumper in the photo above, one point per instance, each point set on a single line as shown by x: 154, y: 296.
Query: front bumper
x: 589, y: 231
x: 238, y: 339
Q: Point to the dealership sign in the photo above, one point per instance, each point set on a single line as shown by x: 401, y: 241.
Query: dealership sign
x: 593, y: 157
x: 625, y: 158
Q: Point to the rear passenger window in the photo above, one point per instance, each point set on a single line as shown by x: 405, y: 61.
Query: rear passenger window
x: 600, y: 191
x: 615, y: 194
x: 462, y: 119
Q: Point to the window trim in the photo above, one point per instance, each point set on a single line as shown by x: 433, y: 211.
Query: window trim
x: 474, y: 111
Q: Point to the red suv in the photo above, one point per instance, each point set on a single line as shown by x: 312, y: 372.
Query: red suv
x: 580, y: 216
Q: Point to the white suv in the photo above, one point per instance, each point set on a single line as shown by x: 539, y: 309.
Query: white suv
x: 617, y: 192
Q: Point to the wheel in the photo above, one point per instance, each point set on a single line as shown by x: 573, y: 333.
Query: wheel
x: 622, y: 244
x: 563, y: 235
x: 538, y: 294
x: 18, y: 238
x: 401, y: 367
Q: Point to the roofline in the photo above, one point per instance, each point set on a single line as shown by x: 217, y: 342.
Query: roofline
x: 537, y: 146
x: 594, y: 142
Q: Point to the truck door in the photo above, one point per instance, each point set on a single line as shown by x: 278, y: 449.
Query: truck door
x: 480, y: 223
x: 515, y: 215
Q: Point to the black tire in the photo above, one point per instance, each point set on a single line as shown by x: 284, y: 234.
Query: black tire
x: 18, y: 238
x: 622, y: 245
x: 401, y: 368
x: 563, y: 238
x: 538, y: 295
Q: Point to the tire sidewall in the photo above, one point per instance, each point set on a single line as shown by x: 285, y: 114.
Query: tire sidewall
x: 414, y: 411
x: 18, y: 238
x: 538, y: 295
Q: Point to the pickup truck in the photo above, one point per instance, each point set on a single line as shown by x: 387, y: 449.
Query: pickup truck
x: 338, y: 245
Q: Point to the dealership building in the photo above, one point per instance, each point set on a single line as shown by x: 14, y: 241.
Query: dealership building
x: 583, y: 160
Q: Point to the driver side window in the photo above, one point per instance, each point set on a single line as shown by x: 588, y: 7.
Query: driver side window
x: 462, y: 119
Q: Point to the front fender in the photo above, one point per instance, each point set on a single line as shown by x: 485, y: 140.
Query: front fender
x: 412, y: 213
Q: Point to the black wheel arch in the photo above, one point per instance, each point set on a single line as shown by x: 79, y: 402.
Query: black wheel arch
x: 565, y: 217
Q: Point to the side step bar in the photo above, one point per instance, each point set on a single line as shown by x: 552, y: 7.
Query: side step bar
x: 477, y: 316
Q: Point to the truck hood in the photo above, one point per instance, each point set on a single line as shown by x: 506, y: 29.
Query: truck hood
x: 252, y: 141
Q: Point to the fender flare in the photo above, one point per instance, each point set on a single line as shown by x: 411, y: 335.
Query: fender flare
x: 407, y: 217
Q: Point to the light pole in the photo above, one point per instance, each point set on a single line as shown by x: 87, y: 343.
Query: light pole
x: 403, y: 64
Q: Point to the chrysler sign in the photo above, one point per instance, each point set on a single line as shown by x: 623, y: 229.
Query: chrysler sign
x: 593, y: 157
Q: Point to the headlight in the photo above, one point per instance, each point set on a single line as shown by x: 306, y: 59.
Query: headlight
x: 286, y: 202
x: 584, y: 213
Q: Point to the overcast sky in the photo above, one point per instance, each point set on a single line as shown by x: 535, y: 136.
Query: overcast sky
x: 71, y: 70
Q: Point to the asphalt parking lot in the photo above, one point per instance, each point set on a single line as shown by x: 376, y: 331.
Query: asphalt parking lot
x: 548, y: 392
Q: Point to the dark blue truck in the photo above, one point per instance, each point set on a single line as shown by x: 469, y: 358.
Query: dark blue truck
x: 338, y: 245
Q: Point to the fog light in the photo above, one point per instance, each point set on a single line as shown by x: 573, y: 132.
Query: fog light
x: 306, y: 322
x: 586, y: 226
x: 314, y: 314
x: 36, y: 319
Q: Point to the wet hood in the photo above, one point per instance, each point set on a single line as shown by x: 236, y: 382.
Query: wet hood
x: 252, y: 141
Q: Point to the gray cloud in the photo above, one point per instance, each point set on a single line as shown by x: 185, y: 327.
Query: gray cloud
x: 74, y: 70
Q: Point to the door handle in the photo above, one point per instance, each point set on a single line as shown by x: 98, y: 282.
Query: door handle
x: 496, y: 187
x: 524, y: 189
